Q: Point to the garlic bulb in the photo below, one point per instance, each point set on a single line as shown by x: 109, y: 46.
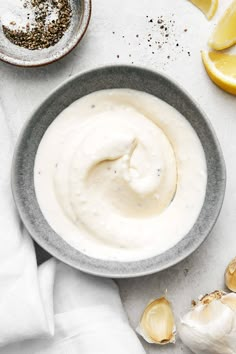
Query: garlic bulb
x: 157, y: 324
x: 210, y: 326
x: 230, y: 275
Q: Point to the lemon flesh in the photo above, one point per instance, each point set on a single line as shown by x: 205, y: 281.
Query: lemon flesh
x: 224, y: 35
x: 221, y: 68
x: 208, y: 7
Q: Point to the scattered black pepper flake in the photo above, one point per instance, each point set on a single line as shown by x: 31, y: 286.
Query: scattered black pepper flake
x: 118, y: 56
x: 186, y: 270
x: 185, y: 30
x: 93, y: 106
x: 151, y: 20
x: 137, y: 35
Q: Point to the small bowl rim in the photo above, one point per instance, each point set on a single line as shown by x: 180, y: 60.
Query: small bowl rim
x: 28, y: 64
x: 85, y: 268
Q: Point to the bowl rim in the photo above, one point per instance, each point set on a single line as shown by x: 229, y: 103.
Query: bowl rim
x: 58, y: 254
x: 35, y: 64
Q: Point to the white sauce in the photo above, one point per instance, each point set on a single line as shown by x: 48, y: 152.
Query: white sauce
x: 120, y: 175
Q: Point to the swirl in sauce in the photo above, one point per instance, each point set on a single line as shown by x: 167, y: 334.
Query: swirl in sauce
x: 120, y: 175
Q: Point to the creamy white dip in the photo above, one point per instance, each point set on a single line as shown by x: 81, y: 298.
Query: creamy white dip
x: 120, y: 175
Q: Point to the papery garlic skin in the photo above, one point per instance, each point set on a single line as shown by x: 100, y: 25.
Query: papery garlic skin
x: 210, y: 326
x: 157, y: 324
x: 230, y: 275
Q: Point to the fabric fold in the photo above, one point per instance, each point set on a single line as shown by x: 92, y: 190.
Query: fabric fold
x: 89, y: 319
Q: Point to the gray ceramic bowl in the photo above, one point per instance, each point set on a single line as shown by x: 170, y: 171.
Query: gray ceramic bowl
x: 12, y: 54
x: 83, y: 84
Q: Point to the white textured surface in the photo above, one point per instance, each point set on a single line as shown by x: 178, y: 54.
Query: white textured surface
x: 21, y: 90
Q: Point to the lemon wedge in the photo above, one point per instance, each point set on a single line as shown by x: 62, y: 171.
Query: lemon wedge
x: 224, y: 35
x: 208, y: 7
x: 221, y: 68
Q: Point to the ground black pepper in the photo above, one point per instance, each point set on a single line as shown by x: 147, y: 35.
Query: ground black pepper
x: 161, y: 34
x: 42, y: 35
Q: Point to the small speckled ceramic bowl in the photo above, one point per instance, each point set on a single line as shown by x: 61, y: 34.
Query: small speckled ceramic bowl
x: 81, y: 85
x: 15, y: 55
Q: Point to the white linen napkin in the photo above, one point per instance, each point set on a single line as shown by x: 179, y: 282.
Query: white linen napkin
x: 89, y: 319
x: 53, y: 309
x: 26, y: 309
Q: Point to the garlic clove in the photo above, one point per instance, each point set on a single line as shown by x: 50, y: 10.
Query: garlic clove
x: 210, y: 326
x: 204, y: 314
x: 229, y: 300
x: 157, y: 324
x: 230, y: 275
